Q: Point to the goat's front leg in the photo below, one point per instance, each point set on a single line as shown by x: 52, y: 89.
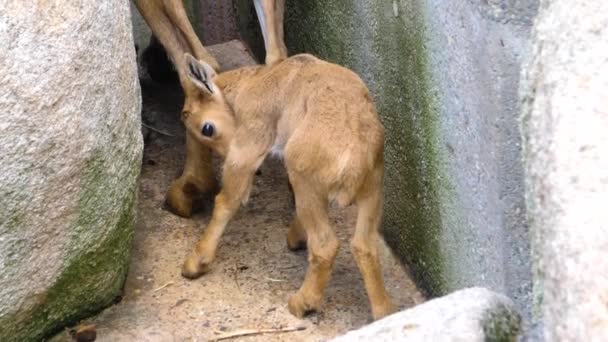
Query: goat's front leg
x: 237, y: 179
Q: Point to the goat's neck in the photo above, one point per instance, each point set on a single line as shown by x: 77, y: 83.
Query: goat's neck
x: 234, y: 83
x: 229, y: 81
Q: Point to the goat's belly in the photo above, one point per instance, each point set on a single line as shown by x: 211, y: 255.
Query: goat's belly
x: 277, y: 150
x: 278, y: 147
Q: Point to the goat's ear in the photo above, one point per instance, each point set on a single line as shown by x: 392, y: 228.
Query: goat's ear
x: 201, y: 74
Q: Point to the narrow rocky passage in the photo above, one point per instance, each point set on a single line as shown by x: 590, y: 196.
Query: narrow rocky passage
x: 254, y: 274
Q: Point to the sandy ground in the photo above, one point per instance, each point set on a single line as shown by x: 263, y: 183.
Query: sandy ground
x: 254, y: 274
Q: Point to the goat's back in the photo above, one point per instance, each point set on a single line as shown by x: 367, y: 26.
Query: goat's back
x: 329, y: 125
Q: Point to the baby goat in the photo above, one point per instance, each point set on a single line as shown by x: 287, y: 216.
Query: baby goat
x: 320, y: 117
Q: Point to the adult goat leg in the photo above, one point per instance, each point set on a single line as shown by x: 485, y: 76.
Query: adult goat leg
x: 175, y: 10
x: 170, y: 25
x: 270, y: 16
x: 197, y: 178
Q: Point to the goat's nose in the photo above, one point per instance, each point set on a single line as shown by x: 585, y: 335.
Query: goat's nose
x: 208, y: 129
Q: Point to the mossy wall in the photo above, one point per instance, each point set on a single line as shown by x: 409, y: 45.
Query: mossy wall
x: 444, y: 74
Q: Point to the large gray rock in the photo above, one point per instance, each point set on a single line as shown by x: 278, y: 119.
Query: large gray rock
x: 71, y: 154
x: 470, y: 315
x: 565, y: 127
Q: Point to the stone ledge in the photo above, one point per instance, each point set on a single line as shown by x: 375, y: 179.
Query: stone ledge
x: 474, y: 314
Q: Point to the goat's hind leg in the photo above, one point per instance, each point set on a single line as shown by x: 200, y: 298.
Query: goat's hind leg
x: 296, y: 237
x: 364, y: 245
x: 311, y: 207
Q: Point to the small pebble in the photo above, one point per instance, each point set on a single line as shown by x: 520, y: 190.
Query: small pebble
x: 84, y: 333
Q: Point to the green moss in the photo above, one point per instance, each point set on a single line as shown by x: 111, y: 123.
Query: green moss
x: 97, y: 253
x: 323, y: 28
x: 89, y: 284
x: 12, y: 216
x: 14, y: 220
x: 412, y: 221
x: 502, y: 324
x: 11, y: 254
x: 193, y: 10
x: 536, y: 235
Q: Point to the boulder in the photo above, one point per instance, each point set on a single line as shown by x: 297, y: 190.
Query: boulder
x: 565, y: 129
x: 474, y: 314
x: 71, y: 154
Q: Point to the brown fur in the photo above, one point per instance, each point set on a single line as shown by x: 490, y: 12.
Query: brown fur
x: 169, y: 23
x: 323, y: 119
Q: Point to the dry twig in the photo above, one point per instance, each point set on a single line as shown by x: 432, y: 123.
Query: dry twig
x: 162, y: 287
x: 249, y: 332
x: 236, y: 275
x: 275, y: 280
x: 156, y: 130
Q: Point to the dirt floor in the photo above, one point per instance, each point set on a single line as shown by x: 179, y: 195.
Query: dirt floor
x: 254, y: 274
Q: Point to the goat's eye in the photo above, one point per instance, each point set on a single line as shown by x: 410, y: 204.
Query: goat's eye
x: 208, y: 130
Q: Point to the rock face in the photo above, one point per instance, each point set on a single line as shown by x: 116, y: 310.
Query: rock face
x: 470, y: 315
x: 445, y: 77
x: 71, y: 154
x: 565, y: 127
